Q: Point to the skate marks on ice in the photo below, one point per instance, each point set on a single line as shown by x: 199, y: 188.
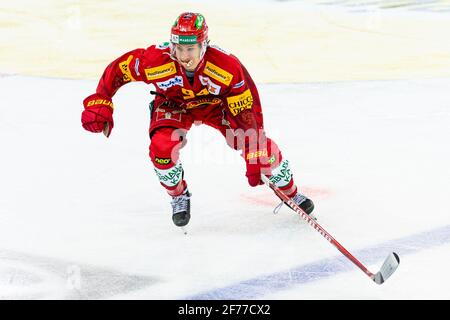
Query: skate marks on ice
x: 26, y: 276
x: 258, y: 287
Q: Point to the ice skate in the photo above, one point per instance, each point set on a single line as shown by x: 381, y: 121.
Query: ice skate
x: 181, y: 208
x: 303, y: 202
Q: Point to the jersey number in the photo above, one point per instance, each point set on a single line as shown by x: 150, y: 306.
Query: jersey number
x: 189, y: 94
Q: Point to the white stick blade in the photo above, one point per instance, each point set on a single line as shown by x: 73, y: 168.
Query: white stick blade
x: 388, y: 268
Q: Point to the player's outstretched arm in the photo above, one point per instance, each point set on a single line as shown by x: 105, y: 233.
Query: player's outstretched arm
x: 97, y: 115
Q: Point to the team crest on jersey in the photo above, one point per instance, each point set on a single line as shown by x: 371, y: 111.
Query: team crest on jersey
x: 212, y: 87
x: 239, y: 103
x: 175, y: 81
x: 159, y: 72
x: 217, y: 73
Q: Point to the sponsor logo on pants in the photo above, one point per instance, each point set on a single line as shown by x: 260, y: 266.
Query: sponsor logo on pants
x: 162, y: 161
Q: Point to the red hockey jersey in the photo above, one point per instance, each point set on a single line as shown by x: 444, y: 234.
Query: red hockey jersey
x: 220, y: 79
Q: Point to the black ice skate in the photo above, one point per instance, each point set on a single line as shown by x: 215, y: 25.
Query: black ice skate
x: 303, y: 202
x: 181, y: 209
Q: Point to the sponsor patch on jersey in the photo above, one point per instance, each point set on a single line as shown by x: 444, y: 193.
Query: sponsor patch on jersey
x: 203, y: 102
x: 175, y: 81
x: 163, y: 71
x: 125, y: 68
x: 239, y: 103
x: 211, y: 86
x: 239, y: 84
x: 217, y: 73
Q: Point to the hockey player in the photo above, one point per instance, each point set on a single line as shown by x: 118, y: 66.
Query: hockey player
x: 198, y: 82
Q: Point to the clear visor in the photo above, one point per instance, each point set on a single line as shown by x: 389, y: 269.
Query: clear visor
x: 203, y: 47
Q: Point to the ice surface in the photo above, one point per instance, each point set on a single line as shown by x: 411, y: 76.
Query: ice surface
x: 82, y: 216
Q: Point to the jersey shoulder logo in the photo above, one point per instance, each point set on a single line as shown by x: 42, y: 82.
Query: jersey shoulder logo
x: 125, y: 68
x: 217, y: 73
x: 162, y: 71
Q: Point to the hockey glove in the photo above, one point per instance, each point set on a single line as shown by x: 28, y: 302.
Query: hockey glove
x: 257, y: 163
x: 97, y: 114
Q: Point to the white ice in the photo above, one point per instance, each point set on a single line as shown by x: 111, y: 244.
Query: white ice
x: 82, y: 216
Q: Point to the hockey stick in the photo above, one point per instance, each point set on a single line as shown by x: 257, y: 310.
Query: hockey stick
x: 387, y: 269
x: 106, y: 129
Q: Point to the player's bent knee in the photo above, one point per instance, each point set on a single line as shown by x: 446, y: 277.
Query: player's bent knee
x: 165, y: 145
